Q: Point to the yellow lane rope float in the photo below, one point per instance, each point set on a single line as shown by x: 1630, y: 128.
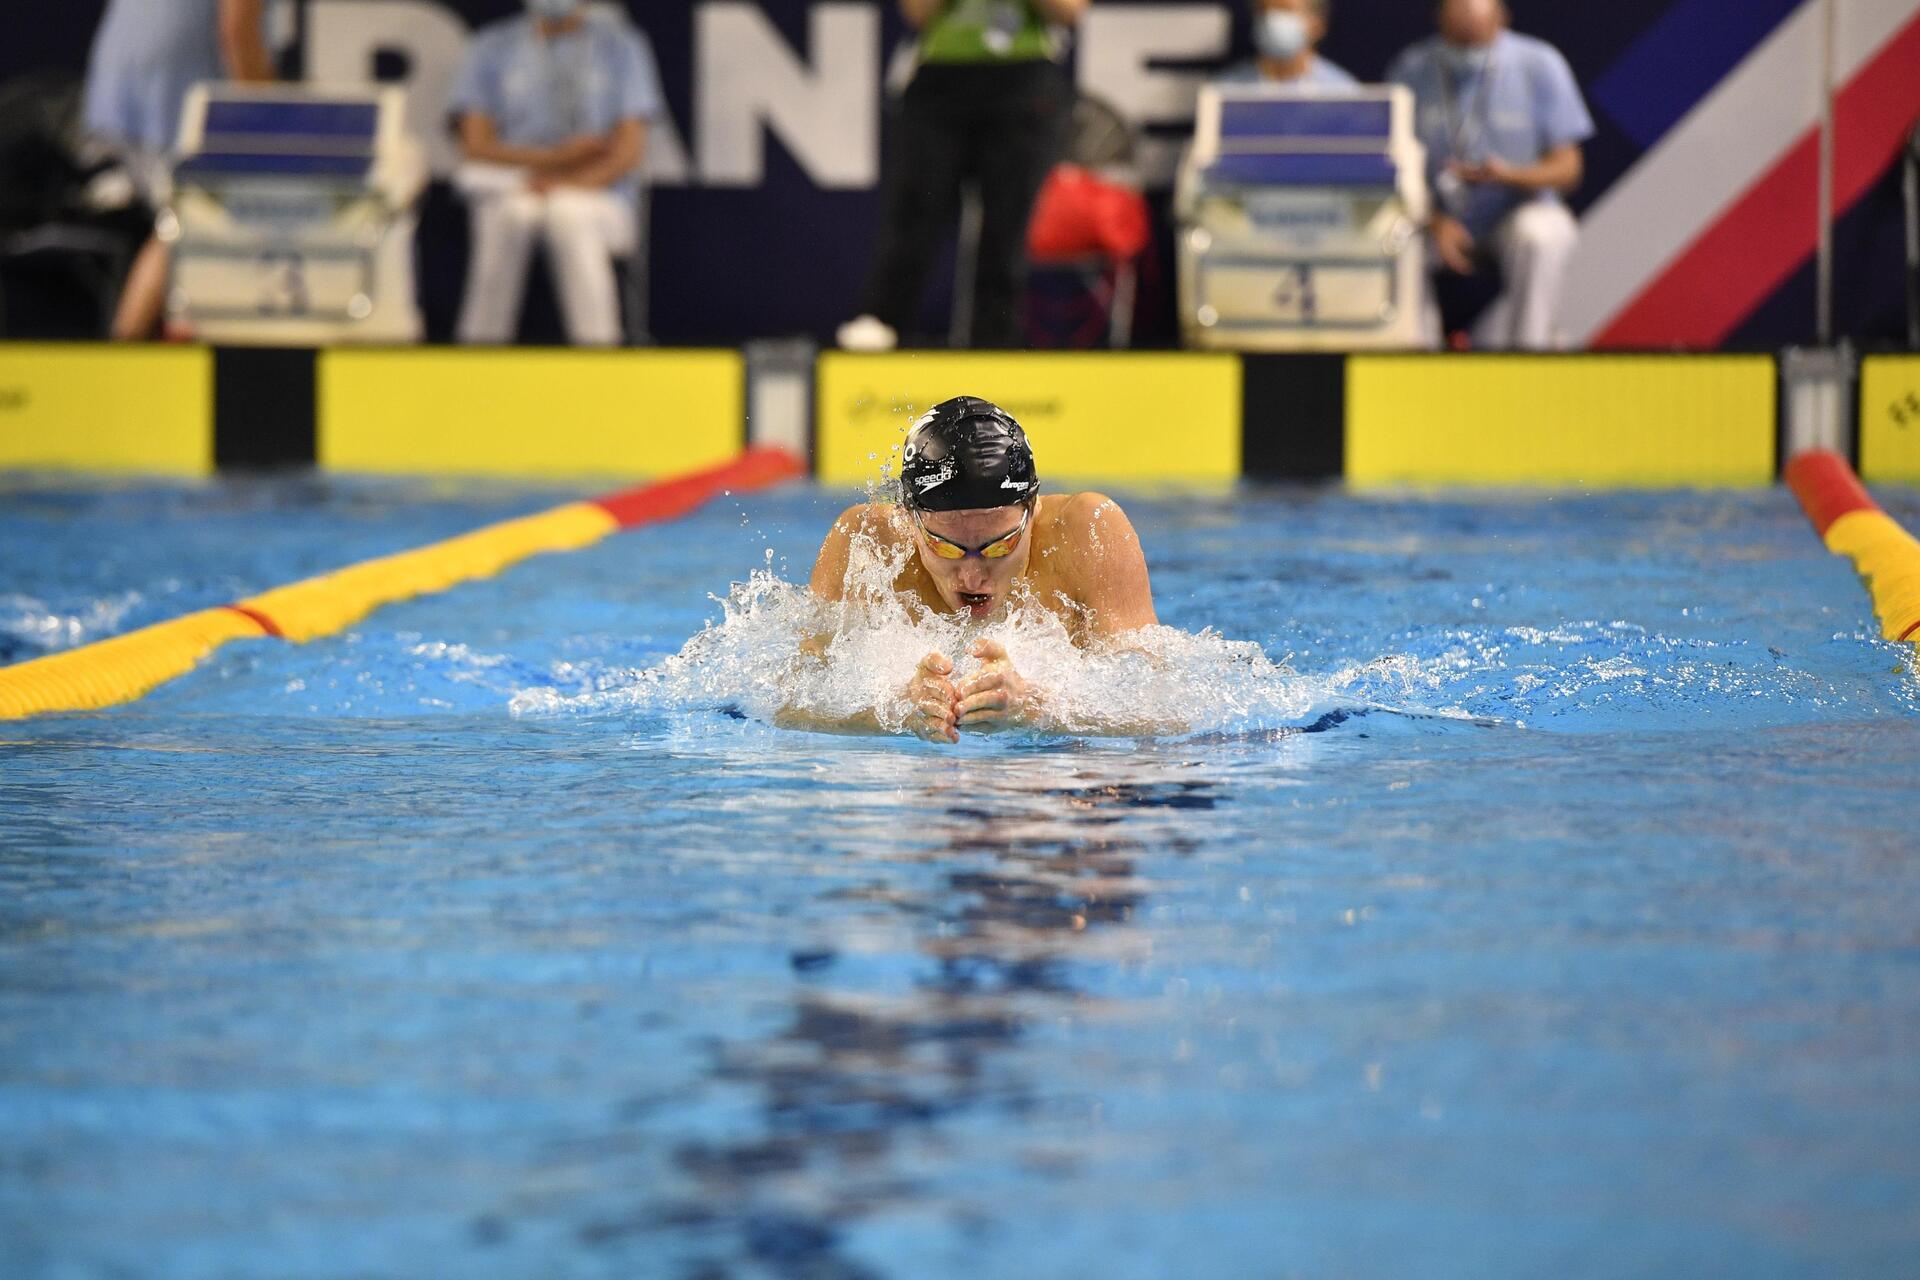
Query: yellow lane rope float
x: 123, y: 668
x: 1852, y: 524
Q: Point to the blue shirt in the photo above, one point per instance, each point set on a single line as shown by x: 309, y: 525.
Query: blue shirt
x: 1321, y: 74
x: 146, y: 55
x: 539, y: 92
x: 1522, y: 106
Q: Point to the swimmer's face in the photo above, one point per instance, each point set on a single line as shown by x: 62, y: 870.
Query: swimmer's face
x: 974, y: 584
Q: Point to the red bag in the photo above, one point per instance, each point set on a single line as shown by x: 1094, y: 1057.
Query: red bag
x: 1080, y: 214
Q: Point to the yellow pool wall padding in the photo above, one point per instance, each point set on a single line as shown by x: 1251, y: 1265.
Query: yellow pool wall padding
x: 1888, y: 557
x: 121, y: 668
x: 1596, y: 421
x: 1890, y: 419
x: 105, y: 408
x: 466, y: 411
x: 1112, y: 417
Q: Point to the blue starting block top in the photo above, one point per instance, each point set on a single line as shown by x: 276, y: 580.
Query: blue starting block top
x: 244, y: 164
x: 247, y: 137
x: 1299, y: 119
x: 335, y: 122
x: 1303, y: 169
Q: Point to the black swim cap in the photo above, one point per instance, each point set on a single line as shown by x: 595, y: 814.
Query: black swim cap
x: 966, y: 453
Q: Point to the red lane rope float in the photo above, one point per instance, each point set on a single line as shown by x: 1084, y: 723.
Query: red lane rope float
x: 1852, y: 524
x: 754, y: 469
x: 267, y: 625
x: 125, y: 667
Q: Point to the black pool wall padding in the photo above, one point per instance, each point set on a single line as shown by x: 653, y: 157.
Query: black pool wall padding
x: 264, y: 407
x: 1293, y: 419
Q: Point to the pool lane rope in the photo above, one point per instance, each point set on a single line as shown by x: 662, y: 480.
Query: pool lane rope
x: 123, y: 668
x: 1852, y: 524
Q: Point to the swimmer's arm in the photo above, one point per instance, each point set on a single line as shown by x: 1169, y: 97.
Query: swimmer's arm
x: 814, y: 649
x: 925, y: 707
x: 1108, y: 569
x: 865, y: 519
x: 866, y: 722
x: 1105, y: 567
x: 998, y: 698
x: 829, y: 583
x: 829, y: 580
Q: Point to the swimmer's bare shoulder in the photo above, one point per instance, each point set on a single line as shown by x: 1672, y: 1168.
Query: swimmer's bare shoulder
x: 1092, y: 555
x: 882, y: 523
x: 876, y: 520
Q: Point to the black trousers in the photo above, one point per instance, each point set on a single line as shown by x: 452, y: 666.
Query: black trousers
x: 998, y: 126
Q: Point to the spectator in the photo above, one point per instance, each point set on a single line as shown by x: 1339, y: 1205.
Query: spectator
x: 145, y: 58
x: 1287, y: 34
x: 988, y: 105
x: 1502, y: 121
x: 553, y: 109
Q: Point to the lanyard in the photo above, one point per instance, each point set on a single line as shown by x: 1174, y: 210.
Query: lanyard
x: 1482, y: 104
x: 566, y: 67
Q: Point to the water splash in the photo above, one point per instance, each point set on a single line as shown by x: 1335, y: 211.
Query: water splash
x: 778, y: 648
x: 37, y: 627
x: 775, y: 648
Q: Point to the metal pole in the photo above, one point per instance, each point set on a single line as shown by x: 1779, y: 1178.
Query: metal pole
x: 1823, y: 322
x: 966, y: 263
x: 1911, y: 182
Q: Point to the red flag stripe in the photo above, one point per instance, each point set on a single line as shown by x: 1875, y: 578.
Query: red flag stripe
x: 1763, y: 237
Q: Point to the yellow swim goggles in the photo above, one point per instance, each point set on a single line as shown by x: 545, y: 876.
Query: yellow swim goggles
x: 999, y: 549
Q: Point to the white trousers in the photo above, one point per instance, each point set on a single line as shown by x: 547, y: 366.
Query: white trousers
x: 1533, y: 245
x: 584, y: 232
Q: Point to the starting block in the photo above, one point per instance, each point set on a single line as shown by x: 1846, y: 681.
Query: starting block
x: 291, y: 216
x: 1299, y: 221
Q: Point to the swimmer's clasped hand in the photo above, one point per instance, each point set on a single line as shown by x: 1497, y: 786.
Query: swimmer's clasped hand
x: 996, y: 696
x: 933, y: 699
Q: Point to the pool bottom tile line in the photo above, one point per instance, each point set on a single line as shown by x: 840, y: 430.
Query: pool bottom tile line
x: 1852, y: 524
x: 124, y: 668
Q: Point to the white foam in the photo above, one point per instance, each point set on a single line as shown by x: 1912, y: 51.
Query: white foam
x: 49, y: 630
x: 1158, y: 680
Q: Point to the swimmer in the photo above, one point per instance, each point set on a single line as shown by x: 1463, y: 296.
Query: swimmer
x: 984, y: 538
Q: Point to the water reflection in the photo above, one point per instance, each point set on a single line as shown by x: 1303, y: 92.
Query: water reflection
x: 1040, y: 875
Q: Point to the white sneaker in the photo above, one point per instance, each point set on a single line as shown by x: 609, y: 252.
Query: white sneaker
x: 867, y: 333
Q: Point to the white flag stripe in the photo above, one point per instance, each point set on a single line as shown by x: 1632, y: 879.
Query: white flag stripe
x: 1717, y: 152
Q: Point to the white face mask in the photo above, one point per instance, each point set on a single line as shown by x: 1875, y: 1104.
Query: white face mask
x: 552, y: 10
x: 1280, y: 34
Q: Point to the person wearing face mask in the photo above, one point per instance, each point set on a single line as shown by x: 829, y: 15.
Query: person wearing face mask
x: 1287, y: 36
x: 553, y: 108
x: 1503, y: 121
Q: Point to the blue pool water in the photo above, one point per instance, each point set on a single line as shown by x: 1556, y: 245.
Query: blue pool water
x: 1554, y: 909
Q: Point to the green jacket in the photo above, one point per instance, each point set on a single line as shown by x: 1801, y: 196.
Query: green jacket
x: 986, y: 31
